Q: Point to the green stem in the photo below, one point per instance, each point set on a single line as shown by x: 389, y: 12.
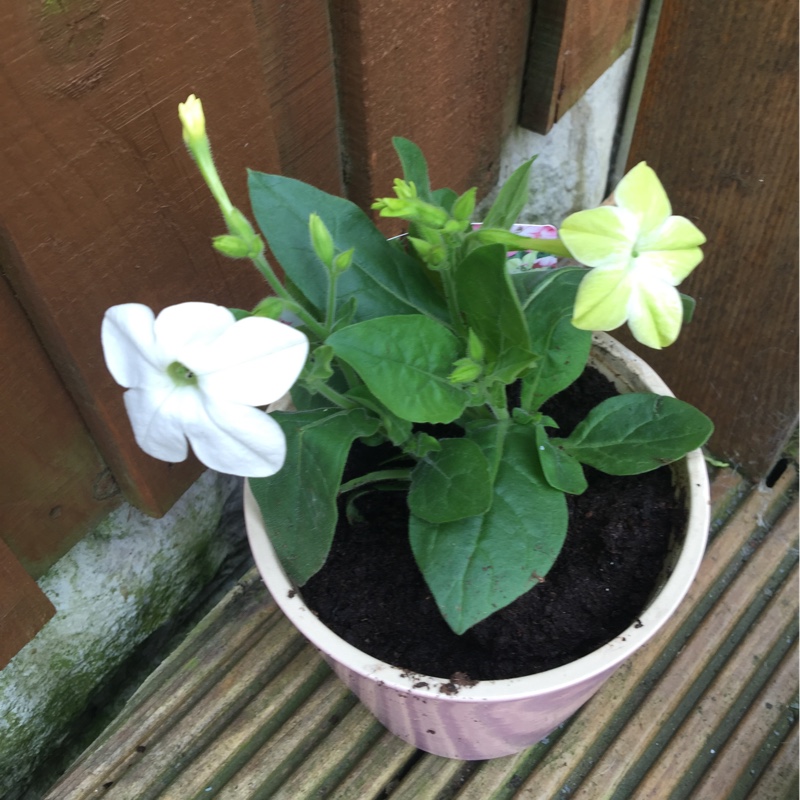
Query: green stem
x: 330, y: 313
x: 335, y: 397
x: 265, y: 268
x: 373, y: 477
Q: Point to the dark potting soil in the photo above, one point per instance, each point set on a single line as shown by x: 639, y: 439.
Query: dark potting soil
x: 371, y: 593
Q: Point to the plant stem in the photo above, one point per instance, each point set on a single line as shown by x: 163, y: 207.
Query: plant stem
x: 265, y: 268
x: 373, y: 477
x: 335, y: 397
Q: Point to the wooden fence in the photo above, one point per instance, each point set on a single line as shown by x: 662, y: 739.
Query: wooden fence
x: 100, y: 204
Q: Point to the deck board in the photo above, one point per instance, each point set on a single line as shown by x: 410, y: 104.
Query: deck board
x: 244, y: 709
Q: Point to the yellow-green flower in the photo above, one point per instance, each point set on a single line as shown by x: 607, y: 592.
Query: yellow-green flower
x: 640, y: 253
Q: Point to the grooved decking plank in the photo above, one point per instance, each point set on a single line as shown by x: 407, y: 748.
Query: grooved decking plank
x: 244, y: 617
x: 500, y: 776
x: 644, y: 727
x: 722, y: 778
x: 377, y: 769
x: 330, y: 762
x: 285, y: 752
x: 591, y: 725
x: 694, y: 734
x: 431, y: 777
x: 260, y: 719
x: 205, y: 717
x: 779, y: 781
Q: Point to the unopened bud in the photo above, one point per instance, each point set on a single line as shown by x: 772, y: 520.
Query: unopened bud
x: 466, y: 371
x: 232, y: 246
x: 269, y: 307
x: 465, y: 205
x: 321, y: 240
x: 192, y: 120
x: 343, y: 261
x: 474, y: 346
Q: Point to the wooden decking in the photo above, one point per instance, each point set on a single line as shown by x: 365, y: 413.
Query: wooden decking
x: 245, y: 709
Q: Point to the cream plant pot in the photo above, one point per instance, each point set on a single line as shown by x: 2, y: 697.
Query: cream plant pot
x: 501, y: 717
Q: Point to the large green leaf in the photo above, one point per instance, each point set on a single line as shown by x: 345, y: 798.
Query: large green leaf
x: 478, y: 565
x: 635, y: 433
x: 490, y: 307
x: 563, y: 348
x: 405, y: 362
x: 299, y: 502
x: 451, y: 483
x: 382, y: 278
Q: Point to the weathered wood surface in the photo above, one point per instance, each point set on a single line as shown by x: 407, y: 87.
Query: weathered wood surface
x: 24, y: 608
x: 245, y: 709
x: 99, y: 202
x: 718, y: 122
x: 572, y: 43
x: 445, y: 75
x: 53, y: 483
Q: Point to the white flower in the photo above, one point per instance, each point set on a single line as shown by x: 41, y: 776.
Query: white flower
x: 194, y: 373
x: 640, y: 253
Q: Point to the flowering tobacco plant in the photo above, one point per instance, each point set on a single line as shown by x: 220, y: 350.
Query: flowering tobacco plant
x: 392, y: 339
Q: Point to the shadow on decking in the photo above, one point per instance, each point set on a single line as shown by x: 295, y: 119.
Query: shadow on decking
x: 245, y: 709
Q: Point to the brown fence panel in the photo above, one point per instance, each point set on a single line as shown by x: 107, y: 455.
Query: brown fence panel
x: 572, y: 43
x: 99, y: 203
x: 718, y: 122
x: 445, y: 75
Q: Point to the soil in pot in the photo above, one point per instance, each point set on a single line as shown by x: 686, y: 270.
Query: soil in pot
x: 371, y: 593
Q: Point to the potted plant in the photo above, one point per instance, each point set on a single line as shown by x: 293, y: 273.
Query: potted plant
x: 436, y: 359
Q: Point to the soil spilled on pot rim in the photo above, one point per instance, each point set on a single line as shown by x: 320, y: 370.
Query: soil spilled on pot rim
x: 371, y: 593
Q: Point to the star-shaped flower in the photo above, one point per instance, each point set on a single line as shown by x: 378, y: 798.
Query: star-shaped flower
x: 195, y: 375
x: 640, y: 253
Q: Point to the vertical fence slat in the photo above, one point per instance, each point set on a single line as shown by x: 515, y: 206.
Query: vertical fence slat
x: 100, y: 204
x: 718, y: 122
x: 445, y: 75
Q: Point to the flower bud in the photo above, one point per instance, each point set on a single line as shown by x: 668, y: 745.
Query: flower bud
x: 465, y: 205
x: 193, y: 120
x: 231, y: 246
x: 474, y: 346
x: 269, y: 307
x: 321, y: 240
x: 466, y: 370
x: 343, y: 261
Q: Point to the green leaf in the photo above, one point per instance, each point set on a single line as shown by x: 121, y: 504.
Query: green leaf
x: 405, y: 362
x: 563, y: 349
x: 480, y: 564
x: 415, y: 168
x: 382, y: 277
x: 511, y: 199
x: 299, y: 502
x: 635, y: 433
x: 445, y: 198
x: 398, y: 430
x: 560, y: 469
x: 688, y: 303
x: 491, y: 309
x: 451, y: 483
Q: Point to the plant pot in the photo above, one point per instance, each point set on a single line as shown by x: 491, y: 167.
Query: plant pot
x: 497, y: 718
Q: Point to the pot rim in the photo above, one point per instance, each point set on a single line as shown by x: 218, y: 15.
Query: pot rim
x: 691, y: 478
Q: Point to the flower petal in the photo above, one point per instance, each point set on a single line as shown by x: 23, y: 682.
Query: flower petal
x: 670, y: 266
x: 600, y: 236
x: 655, y: 314
x: 239, y: 440
x: 253, y: 362
x: 129, y: 347
x: 185, y: 329
x: 602, y: 300
x: 676, y: 233
x: 641, y: 193
x: 157, y: 417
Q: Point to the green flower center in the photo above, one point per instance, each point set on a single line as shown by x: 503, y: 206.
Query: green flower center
x: 181, y: 375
